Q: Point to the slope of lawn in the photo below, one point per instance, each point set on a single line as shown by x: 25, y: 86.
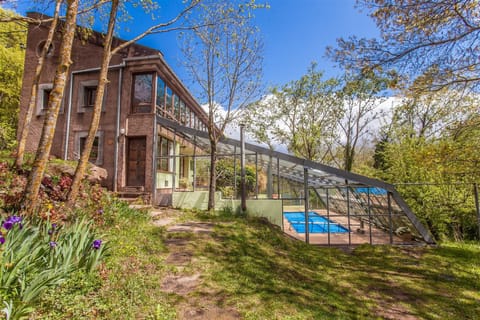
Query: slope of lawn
x: 246, y: 269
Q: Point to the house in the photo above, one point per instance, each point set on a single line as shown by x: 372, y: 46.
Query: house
x: 130, y: 143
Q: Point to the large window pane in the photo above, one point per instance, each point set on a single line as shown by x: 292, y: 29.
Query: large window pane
x: 160, y: 93
x: 177, y: 106
x: 183, y: 111
x: 142, y: 93
x: 165, y: 150
x: 169, y: 103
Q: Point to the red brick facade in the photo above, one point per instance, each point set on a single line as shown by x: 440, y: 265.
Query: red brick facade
x: 119, y: 122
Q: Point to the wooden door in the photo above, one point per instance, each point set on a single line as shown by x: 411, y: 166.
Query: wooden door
x: 137, y: 153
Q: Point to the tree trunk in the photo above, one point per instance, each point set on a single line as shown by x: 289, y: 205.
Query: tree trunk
x: 213, y: 175
x: 34, y: 92
x: 97, y: 109
x: 54, y: 102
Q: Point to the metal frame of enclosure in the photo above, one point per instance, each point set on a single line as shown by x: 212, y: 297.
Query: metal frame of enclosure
x: 371, y: 210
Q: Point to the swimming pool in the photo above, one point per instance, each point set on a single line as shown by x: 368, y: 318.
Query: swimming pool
x: 317, y: 223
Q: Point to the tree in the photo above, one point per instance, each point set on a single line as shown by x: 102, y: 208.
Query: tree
x: 102, y: 81
x: 224, y: 59
x: 361, y: 109
x: 301, y: 115
x: 434, y: 44
x: 431, y: 152
x: 34, y: 91
x: 12, y: 54
x: 54, y: 102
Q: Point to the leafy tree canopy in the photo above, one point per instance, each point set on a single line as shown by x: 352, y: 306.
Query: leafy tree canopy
x: 12, y: 55
x: 434, y: 44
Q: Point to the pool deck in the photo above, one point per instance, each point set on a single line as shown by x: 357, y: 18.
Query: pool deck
x: 356, y: 236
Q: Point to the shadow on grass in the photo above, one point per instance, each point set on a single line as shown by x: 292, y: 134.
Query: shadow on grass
x: 259, y: 269
x: 263, y: 272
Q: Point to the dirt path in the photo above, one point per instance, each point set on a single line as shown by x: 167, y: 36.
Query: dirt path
x: 184, y: 279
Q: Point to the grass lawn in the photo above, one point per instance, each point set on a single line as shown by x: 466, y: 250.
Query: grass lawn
x: 222, y: 267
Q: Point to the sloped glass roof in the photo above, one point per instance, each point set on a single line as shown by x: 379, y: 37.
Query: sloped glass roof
x: 363, y: 205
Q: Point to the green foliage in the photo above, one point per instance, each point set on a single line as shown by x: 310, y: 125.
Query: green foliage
x: 226, y: 178
x: 12, y: 55
x: 433, y: 143
x: 301, y: 114
x: 37, y: 256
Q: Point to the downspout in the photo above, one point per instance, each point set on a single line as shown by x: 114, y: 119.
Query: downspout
x: 117, y: 128
x: 155, y: 141
x: 69, y: 107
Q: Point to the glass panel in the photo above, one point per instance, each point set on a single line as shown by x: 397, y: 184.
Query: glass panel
x: 165, y: 150
x: 142, y: 93
x: 183, y: 115
x: 90, y: 93
x: 176, y: 102
x: 169, y: 103
x: 160, y: 93
x: 94, y: 153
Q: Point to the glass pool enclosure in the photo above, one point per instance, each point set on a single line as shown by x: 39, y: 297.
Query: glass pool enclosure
x: 340, y: 207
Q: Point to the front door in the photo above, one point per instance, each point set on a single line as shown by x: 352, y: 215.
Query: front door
x: 137, y: 153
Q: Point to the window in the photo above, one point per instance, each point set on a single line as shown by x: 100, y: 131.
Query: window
x: 161, y: 95
x: 46, y: 97
x: 165, y: 150
x: 169, y: 102
x: 176, y: 102
x: 183, y: 113
x: 142, y: 93
x: 89, y: 94
x: 50, y: 51
x: 44, y: 91
x: 96, y: 154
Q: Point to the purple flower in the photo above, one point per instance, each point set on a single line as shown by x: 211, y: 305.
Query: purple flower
x: 54, y: 226
x: 96, y: 244
x: 2, y: 240
x: 8, y: 224
x: 14, y: 219
x: 100, y: 211
x: 11, y: 221
x: 52, y: 244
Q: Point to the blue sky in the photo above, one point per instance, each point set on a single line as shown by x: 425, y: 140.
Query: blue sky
x: 295, y: 33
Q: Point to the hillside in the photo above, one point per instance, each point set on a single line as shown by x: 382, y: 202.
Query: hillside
x: 176, y: 265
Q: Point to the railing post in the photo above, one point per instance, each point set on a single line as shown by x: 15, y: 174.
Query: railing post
x: 305, y: 185
x: 242, y: 168
x: 477, y: 206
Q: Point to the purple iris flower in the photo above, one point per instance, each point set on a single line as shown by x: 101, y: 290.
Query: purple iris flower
x: 8, y: 224
x: 2, y: 240
x: 11, y: 221
x: 54, y: 226
x: 52, y: 244
x: 96, y: 244
x: 100, y: 211
x: 15, y: 219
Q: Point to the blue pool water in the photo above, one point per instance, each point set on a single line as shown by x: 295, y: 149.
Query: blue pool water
x: 317, y: 223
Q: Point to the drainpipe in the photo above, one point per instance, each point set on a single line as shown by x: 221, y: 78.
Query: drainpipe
x: 117, y: 130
